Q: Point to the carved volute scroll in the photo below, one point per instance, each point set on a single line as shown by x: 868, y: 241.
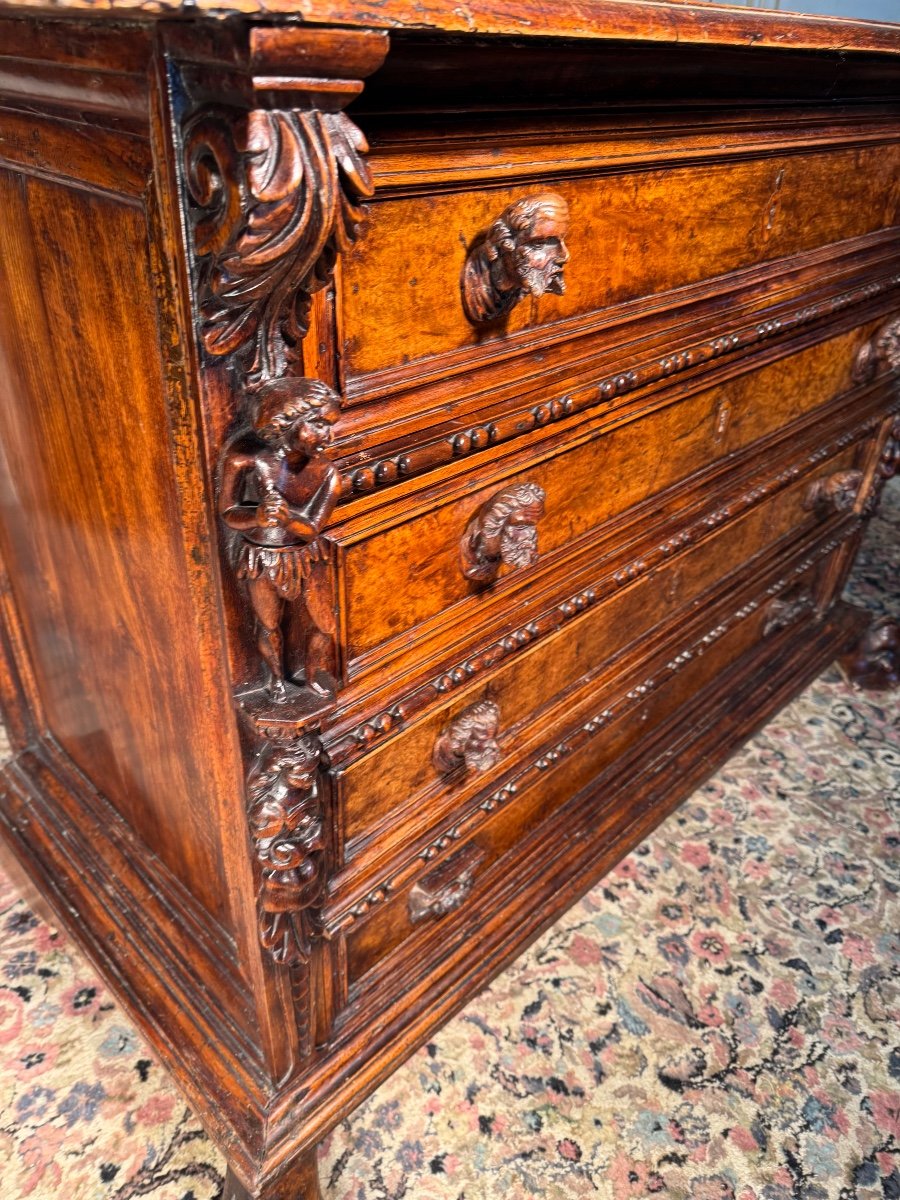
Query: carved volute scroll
x: 881, y: 353
x: 470, y: 741
x: 888, y: 465
x: 523, y: 253
x: 502, y: 533
x: 286, y: 825
x: 447, y: 887
x: 785, y: 610
x: 275, y: 194
x: 834, y: 494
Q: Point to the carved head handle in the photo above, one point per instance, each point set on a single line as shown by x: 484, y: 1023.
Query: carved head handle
x: 880, y: 353
x: 785, y: 610
x: 522, y: 254
x: 470, y: 740
x: 446, y: 888
x: 834, y: 493
x: 502, y: 532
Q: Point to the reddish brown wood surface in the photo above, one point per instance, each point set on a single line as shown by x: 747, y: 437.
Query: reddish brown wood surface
x: 312, y: 734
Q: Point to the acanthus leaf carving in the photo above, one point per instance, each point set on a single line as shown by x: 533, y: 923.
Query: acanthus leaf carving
x: 287, y: 827
x: 275, y: 196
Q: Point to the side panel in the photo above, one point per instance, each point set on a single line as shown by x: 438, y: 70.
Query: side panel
x: 90, y: 522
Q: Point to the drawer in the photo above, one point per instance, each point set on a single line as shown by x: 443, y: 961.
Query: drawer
x: 442, y: 759
x: 417, y: 567
x: 402, y: 299
x: 604, y: 749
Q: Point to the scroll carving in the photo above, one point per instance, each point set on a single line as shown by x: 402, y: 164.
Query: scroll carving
x: 277, y: 490
x: 523, y: 253
x: 785, y: 610
x: 275, y: 196
x: 470, y: 741
x: 503, y: 533
x: 835, y: 494
x: 888, y: 465
x: 880, y: 353
x: 287, y: 828
x: 447, y: 888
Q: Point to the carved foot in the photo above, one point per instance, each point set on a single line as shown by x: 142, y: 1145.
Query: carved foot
x: 874, y: 662
x: 299, y: 1183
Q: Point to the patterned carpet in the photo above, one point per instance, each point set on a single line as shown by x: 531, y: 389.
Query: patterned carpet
x: 718, y: 1020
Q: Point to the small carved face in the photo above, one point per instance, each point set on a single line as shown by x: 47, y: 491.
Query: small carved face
x: 844, y: 494
x: 541, y: 252
x: 311, y: 434
x: 482, y: 752
x: 519, y: 544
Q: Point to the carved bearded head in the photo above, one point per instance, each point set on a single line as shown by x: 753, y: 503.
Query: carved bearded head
x: 535, y: 243
x: 522, y: 254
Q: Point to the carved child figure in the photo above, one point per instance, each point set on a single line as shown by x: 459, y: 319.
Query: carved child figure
x: 278, y: 489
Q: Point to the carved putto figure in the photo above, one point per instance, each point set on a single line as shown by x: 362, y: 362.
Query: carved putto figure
x: 522, y: 254
x: 286, y: 825
x: 278, y: 490
x: 503, y: 532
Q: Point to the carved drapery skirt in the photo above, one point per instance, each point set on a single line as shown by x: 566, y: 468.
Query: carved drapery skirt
x: 285, y: 567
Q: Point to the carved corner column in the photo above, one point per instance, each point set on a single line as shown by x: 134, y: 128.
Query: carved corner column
x: 274, y: 181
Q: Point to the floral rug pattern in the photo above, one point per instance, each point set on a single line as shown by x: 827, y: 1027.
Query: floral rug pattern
x: 719, y: 1019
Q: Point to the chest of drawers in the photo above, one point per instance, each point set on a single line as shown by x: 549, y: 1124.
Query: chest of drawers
x: 433, y: 440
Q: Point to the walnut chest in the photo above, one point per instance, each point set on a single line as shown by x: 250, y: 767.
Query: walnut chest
x: 432, y: 441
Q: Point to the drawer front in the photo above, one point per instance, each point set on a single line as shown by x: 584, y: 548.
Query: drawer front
x: 412, y: 917
x: 657, y: 230
x: 431, y: 569
x: 441, y: 760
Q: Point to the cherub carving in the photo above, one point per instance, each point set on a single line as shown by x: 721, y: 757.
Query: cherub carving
x: 503, y: 532
x: 286, y: 824
x: 522, y: 254
x: 277, y: 490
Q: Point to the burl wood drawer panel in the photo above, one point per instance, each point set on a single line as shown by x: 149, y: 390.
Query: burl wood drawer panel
x: 394, y: 785
x: 630, y: 234
x: 408, y: 573
x: 455, y: 870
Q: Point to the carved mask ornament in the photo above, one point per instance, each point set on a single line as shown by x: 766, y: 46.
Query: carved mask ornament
x: 286, y: 824
x: 523, y: 253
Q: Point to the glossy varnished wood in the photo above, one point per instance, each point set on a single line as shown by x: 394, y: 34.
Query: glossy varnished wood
x: 413, y: 486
